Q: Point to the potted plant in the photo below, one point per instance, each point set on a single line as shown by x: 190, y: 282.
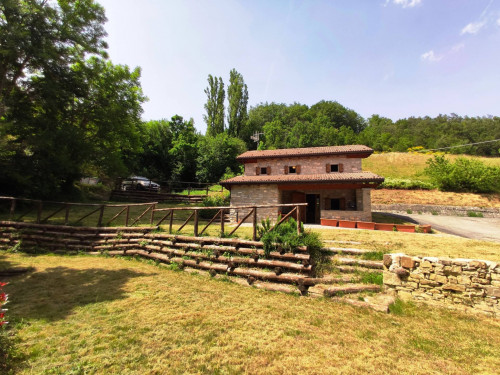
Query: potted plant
x: 405, y: 228
x: 347, y: 224
x: 329, y: 222
x: 384, y: 226
x: 365, y: 225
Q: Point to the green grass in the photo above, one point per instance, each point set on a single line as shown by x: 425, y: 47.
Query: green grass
x: 399, y: 165
x: 82, y: 314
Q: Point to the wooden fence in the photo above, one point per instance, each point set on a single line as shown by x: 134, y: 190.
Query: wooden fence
x: 66, y: 207
x: 148, y: 196
x: 168, y: 213
x: 149, y: 212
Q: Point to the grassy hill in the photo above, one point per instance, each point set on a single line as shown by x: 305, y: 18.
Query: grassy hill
x: 400, y: 165
x: 409, y: 166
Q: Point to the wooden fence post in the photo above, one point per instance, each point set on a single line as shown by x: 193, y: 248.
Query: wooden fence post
x: 66, y: 215
x: 12, y: 209
x: 196, y: 223
x: 151, y: 220
x: 299, y: 218
x: 207, y: 191
x: 39, y: 212
x: 127, y: 215
x: 171, y: 221
x: 222, y: 220
x: 254, y: 223
x: 101, y: 214
x: 189, y: 191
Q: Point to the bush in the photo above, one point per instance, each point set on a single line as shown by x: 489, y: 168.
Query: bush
x: 464, y: 175
x: 285, y: 237
x: 407, y: 184
x: 214, y: 200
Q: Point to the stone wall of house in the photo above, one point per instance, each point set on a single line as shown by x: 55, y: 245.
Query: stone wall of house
x: 462, y: 284
x: 363, y: 206
x: 309, y: 165
x: 247, y: 195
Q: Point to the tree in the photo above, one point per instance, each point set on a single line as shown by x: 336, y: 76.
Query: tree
x: 184, y: 149
x: 214, y: 106
x: 62, y: 116
x: 37, y: 35
x: 237, y: 94
x: 216, y: 155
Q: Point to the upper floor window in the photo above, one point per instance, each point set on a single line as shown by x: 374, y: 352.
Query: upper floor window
x: 262, y: 170
x: 334, y: 168
x: 292, y: 169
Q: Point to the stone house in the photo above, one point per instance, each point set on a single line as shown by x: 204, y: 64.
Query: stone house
x: 329, y: 179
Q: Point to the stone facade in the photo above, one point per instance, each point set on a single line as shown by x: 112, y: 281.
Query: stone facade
x: 246, y: 195
x: 309, y: 164
x: 461, y: 284
x: 363, y: 205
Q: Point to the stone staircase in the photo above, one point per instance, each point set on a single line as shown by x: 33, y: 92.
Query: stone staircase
x: 353, y: 279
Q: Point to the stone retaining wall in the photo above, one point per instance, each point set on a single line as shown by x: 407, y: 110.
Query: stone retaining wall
x: 462, y: 284
x: 440, y: 210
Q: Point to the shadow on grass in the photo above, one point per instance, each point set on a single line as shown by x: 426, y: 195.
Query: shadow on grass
x: 54, y: 293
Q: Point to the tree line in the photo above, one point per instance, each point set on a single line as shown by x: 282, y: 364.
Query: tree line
x: 66, y: 111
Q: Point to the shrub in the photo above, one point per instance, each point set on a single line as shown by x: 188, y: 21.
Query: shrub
x: 407, y: 184
x: 464, y: 175
x: 214, y: 200
x: 474, y: 214
x: 285, y: 236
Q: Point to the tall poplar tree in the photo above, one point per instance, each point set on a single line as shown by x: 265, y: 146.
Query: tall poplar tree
x: 214, y: 106
x: 237, y: 94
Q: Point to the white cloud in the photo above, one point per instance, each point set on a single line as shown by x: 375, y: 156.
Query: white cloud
x: 498, y: 22
x: 473, y: 28
x: 404, y: 3
x: 457, y: 47
x: 430, y: 56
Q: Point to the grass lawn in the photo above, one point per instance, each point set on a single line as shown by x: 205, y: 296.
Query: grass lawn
x: 410, y: 166
x: 96, y: 315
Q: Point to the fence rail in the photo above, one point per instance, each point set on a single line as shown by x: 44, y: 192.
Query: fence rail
x: 148, y: 212
x: 96, y: 209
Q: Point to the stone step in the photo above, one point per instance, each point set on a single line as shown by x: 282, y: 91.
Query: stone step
x: 346, y: 250
x: 379, y: 302
x: 350, y: 289
x: 337, y: 279
x: 375, y: 264
x: 325, y: 290
x: 354, y: 269
x: 343, y: 242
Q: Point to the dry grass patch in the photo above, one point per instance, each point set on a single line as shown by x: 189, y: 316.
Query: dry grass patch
x: 434, y: 197
x: 103, y: 315
x: 416, y: 244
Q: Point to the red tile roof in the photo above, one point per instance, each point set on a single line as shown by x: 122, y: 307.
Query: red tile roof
x: 305, y: 178
x: 309, y: 151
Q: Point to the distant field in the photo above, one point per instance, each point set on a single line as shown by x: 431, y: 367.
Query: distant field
x: 411, y: 166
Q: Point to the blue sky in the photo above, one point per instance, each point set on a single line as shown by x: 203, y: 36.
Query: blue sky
x: 395, y: 58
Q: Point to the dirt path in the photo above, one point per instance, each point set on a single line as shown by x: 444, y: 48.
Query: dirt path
x: 469, y: 227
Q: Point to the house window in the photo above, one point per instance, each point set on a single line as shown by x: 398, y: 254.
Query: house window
x: 334, y: 168
x: 262, y: 170
x: 335, y: 204
x: 294, y: 169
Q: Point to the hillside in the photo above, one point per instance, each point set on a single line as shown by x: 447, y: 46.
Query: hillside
x: 411, y: 166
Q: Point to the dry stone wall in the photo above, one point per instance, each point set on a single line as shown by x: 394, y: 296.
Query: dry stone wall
x: 462, y: 284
